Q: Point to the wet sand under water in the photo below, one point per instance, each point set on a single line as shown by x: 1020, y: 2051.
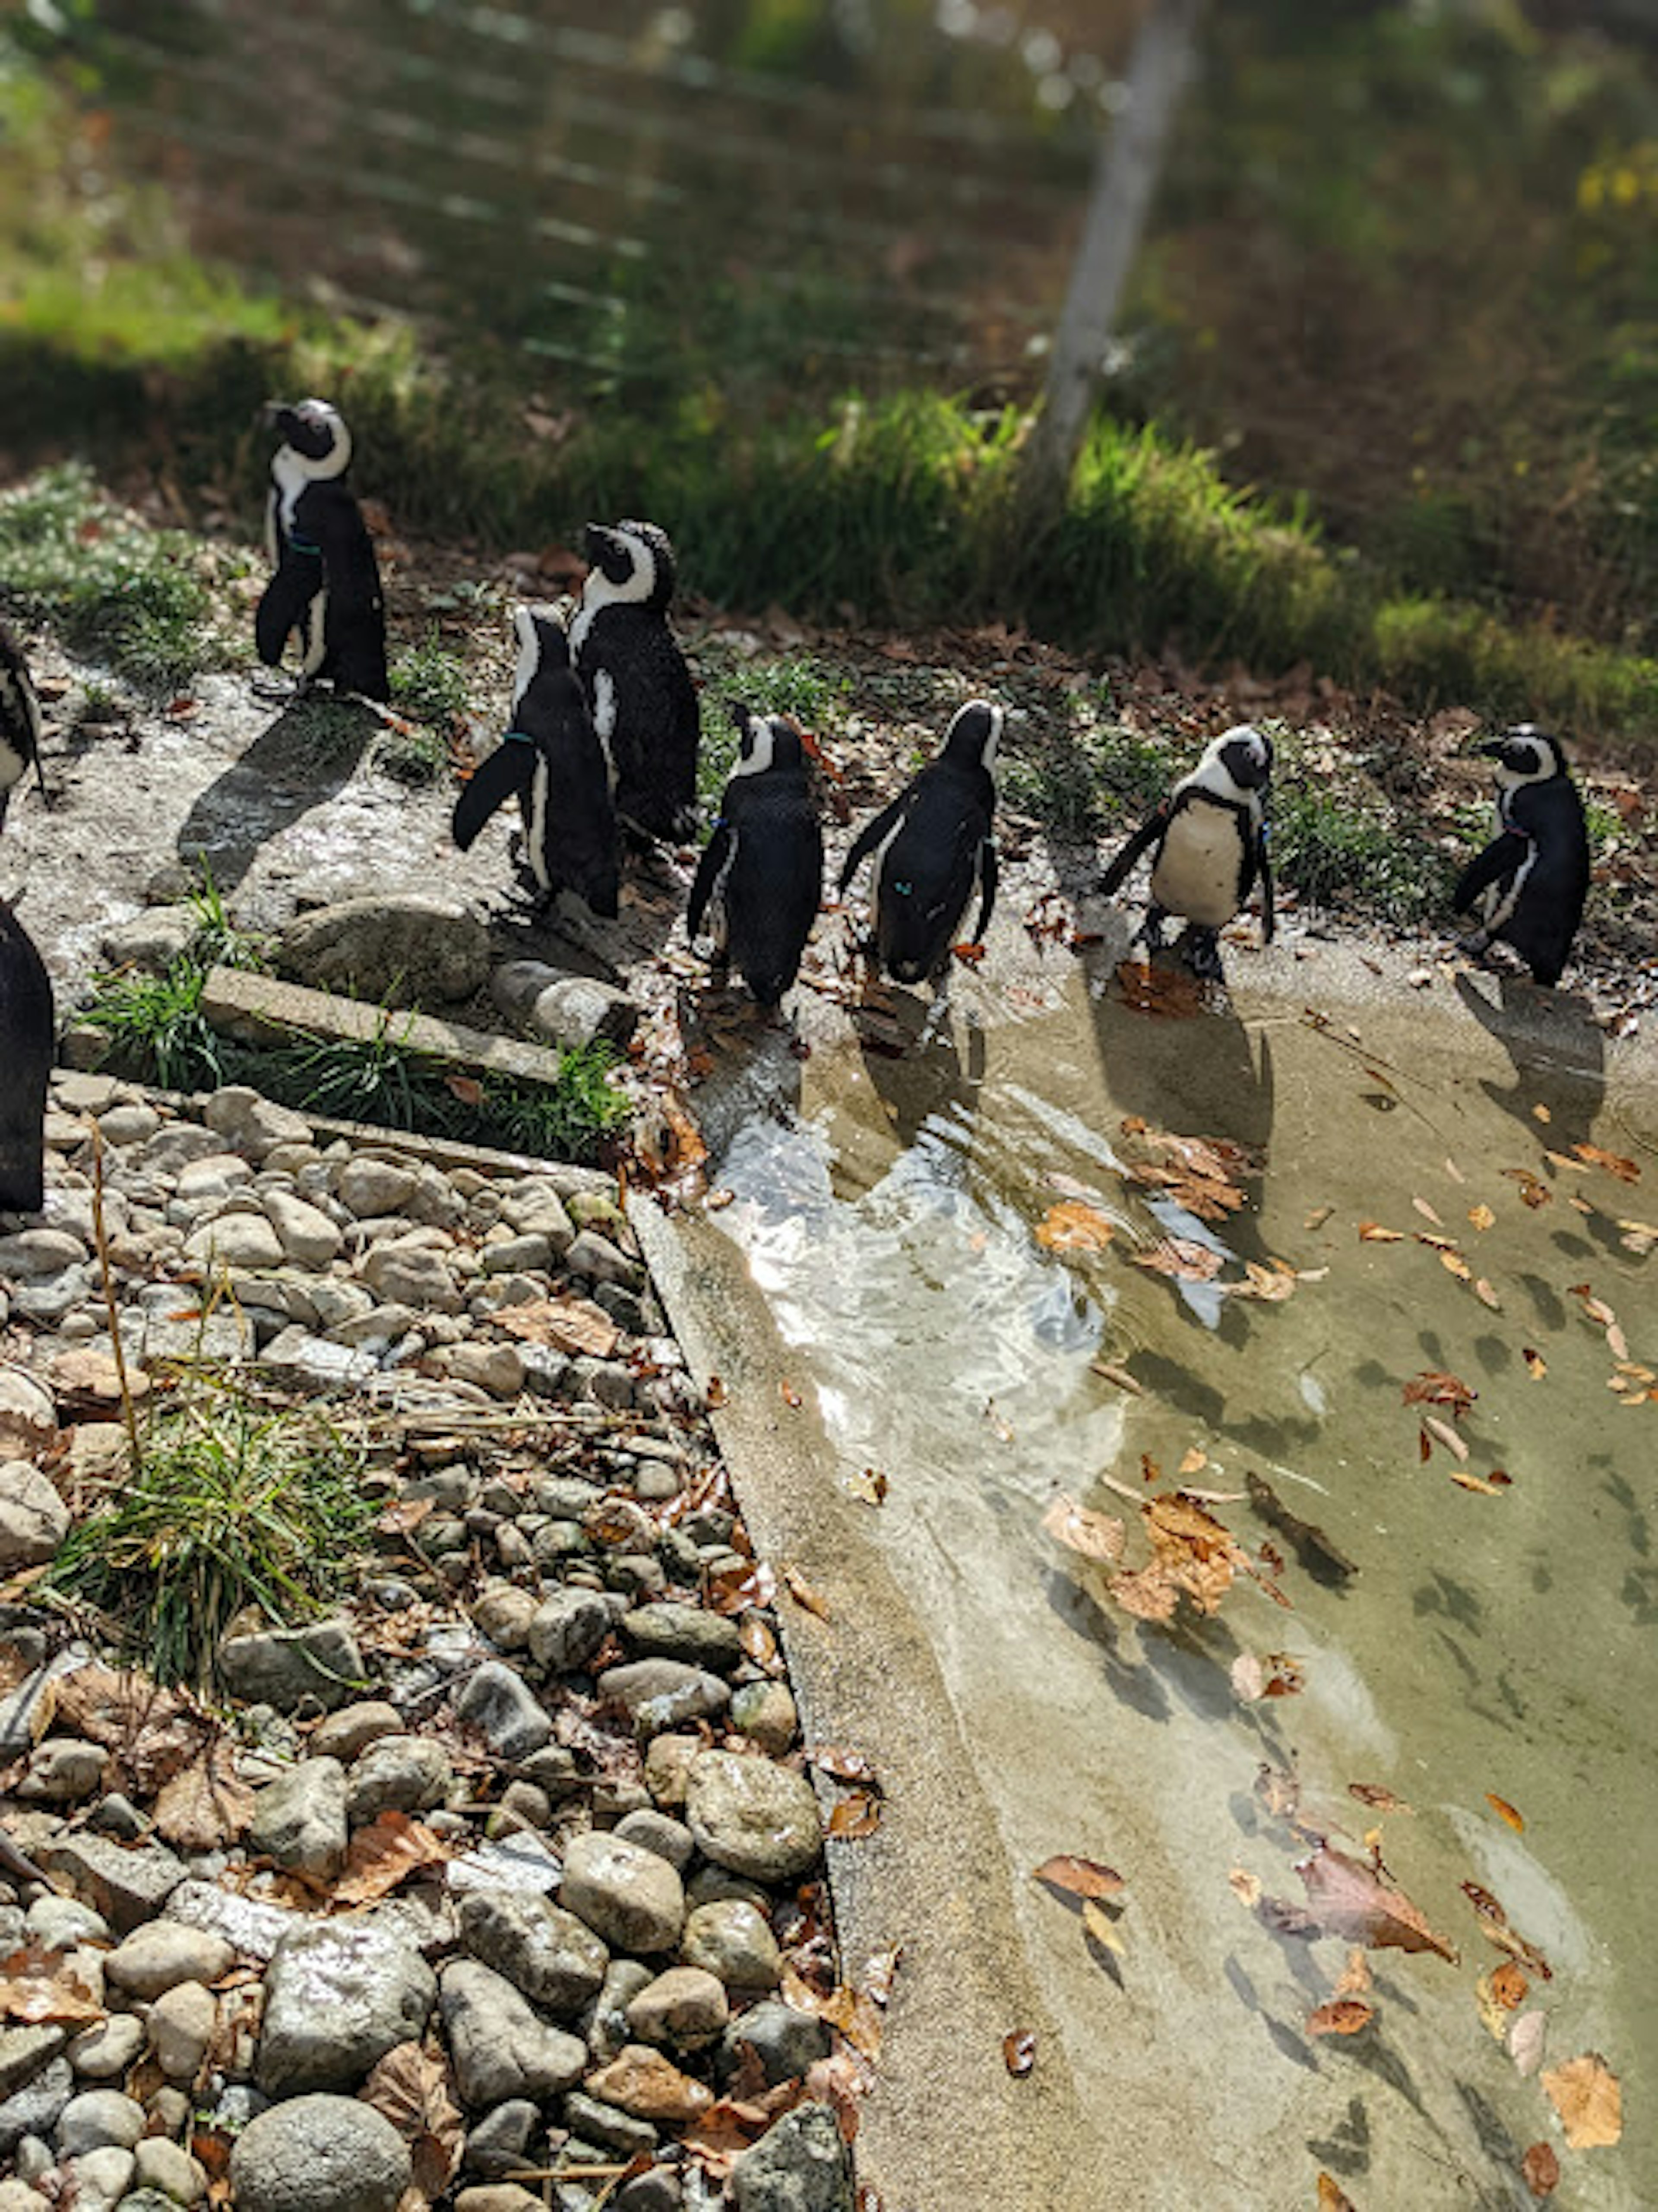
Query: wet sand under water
x: 1487, y: 1642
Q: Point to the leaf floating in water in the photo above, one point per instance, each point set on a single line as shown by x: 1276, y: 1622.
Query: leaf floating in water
x: 1318, y: 1216
x: 1504, y: 1811
x: 1074, y: 1226
x: 1482, y: 1217
x: 1332, y: 2198
x: 802, y: 1593
x: 1541, y: 1114
x: 1193, y: 1556
x: 1019, y: 2053
x: 1613, y: 1163
x: 1113, y: 1373
x: 1193, y: 1461
x: 1494, y: 1926
x: 1526, y: 2038
x: 1355, y: 1977
x: 1380, y: 1800
x: 1182, y: 1259
x: 1004, y: 1429
x: 1276, y: 1675
x: 1372, y: 1232
x: 1638, y: 1236
x: 1589, y: 2099
x: 790, y: 1395
x: 1532, y: 1189
x: 1246, y: 1886
x: 1349, y: 1900
x: 868, y: 1486
x: 1486, y: 1296
x: 1341, y: 2016
x: 1427, y: 1211
x: 1278, y: 1791
x: 1536, y: 1366
x: 1094, y: 1535
x: 1079, y: 1877
x: 1445, y: 1435
x: 1475, y: 1482
x: 1540, y: 2170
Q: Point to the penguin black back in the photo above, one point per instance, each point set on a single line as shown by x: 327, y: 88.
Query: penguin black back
x: 1532, y: 879
x: 932, y: 846
x: 19, y: 720
x: 326, y: 580
x: 643, y: 702
x: 761, y: 872
x: 27, y: 1040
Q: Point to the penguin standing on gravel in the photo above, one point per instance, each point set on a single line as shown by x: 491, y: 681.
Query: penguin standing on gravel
x: 1532, y: 879
x: 20, y: 721
x: 933, y: 848
x: 27, y: 1042
x: 1207, y: 839
x: 761, y: 876
x: 643, y: 700
x: 326, y: 580
x: 552, y: 762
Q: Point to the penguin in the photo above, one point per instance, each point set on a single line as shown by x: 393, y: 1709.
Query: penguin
x: 552, y: 762
x: 326, y: 581
x: 27, y: 1042
x: 643, y: 700
x: 761, y: 876
x: 934, y: 845
x: 20, y: 721
x: 1533, y: 877
x: 1208, y: 842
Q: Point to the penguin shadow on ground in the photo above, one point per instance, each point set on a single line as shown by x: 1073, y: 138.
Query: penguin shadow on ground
x: 300, y: 761
x: 1563, y: 1067
x: 919, y: 1068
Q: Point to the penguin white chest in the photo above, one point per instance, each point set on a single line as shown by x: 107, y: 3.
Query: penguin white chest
x: 1196, y: 873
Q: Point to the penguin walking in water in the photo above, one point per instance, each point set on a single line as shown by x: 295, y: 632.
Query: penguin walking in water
x: 552, y: 762
x: 325, y: 582
x: 761, y: 876
x: 933, y: 848
x: 20, y: 721
x: 643, y: 700
x: 28, y: 1042
x: 1207, y: 838
x: 1532, y: 879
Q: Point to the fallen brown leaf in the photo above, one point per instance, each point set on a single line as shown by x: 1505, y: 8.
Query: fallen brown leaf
x: 1372, y: 1232
x: 1019, y: 2053
x: 1536, y: 1366
x: 1526, y: 2038
x: 1540, y: 2170
x: 1589, y: 2099
x: 1380, y: 1800
x: 855, y: 1817
x: 1101, y: 1927
x: 383, y: 1853
x: 867, y: 1486
x: 1182, y: 1259
x: 844, y: 1765
x: 1094, y: 1535
x: 1355, y: 1977
x: 1494, y: 1925
x: 1332, y: 2197
x: 1504, y: 1811
x: 1074, y: 1226
x: 410, y: 2087
x: 1482, y: 1217
x: 1245, y: 1885
x: 1613, y: 1163
x: 206, y: 1806
x: 37, y: 1992
x: 1350, y: 1900
x: 802, y: 1593
x: 1079, y: 1877
x: 571, y: 1326
x: 1341, y: 2016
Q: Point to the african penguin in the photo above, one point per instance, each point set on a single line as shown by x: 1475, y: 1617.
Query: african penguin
x: 20, y: 721
x: 934, y: 845
x: 326, y: 581
x: 761, y: 876
x: 1532, y: 879
x: 552, y: 762
x: 1208, y: 842
x: 643, y: 700
x: 28, y: 1042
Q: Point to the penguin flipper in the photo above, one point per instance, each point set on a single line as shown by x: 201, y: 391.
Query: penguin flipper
x: 871, y: 835
x: 989, y: 877
x: 1268, y: 914
x: 506, y: 775
x: 1501, y: 858
x: 715, y: 854
x: 1117, y: 875
x: 283, y: 602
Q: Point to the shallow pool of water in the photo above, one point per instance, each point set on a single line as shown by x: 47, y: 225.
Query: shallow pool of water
x: 1494, y: 1640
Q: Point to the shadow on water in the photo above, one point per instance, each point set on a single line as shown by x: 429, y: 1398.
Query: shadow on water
x: 297, y: 764
x: 1565, y: 1071
x: 931, y: 1079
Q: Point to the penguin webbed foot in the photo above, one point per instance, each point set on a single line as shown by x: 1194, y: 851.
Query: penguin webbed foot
x: 1150, y: 929
x: 1201, y: 951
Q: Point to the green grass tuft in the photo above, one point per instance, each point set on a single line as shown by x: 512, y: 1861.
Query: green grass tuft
x: 800, y: 684
x: 231, y: 1506
x: 1083, y: 781
x: 156, y: 1028
x: 1337, y: 851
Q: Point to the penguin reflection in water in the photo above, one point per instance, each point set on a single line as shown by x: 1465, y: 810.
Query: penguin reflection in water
x: 1207, y: 839
x: 643, y: 700
x: 1532, y: 879
x: 760, y: 880
x: 27, y: 1046
x: 934, y: 846
x: 326, y: 581
x: 552, y: 762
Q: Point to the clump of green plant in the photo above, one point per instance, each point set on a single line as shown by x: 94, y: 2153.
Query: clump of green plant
x: 218, y: 943
x: 1337, y: 851
x: 382, y: 1077
x: 156, y: 1025
x: 801, y: 684
x: 136, y: 596
x: 1081, y: 781
x: 429, y: 684
x: 569, y: 1120
x: 232, y: 1505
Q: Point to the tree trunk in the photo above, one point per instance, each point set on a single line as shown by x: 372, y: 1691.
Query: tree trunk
x: 1126, y: 174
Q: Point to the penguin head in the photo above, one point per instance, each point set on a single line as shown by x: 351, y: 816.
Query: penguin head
x: 1524, y: 754
x: 314, y: 434
x: 974, y: 732
x: 631, y: 562
x: 543, y: 643
x: 1234, y: 764
x: 765, y: 742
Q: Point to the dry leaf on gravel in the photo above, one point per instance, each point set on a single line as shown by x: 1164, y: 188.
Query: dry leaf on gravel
x: 1019, y: 2053
x: 1349, y: 1900
x: 855, y: 1817
x: 1589, y: 2099
x: 1094, y: 1535
x: 1079, y: 1877
x: 206, y: 1806
x: 153, y: 1732
x: 1341, y: 2016
x: 1540, y: 2170
x: 571, y: 1326
x: 802, y: 1593
x: 36, y: 1991
x: 1072, y: 1226
x: 385, y: 1853
x: 410, y: 2087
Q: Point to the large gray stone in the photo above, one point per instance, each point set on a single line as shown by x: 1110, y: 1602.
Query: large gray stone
x: 410, y: 1274
x: 786, y: 2043
x: 318, y: 2155
x: 554, y: 1958
x: 253, y: 1124
x: 684, y: 1632
x: 500, y: 1704
x: 283, y: 1667
x: 399, y: 1774
x: 97, y: 2118
x: 34, y: 1518
x: 752, y: 1816
x: 579, y: 1010
x: 235, y: 1240
x: 630, y: 1897
x: 34, y: 2109
x: 406, y: 947
x: 24, y: 2051
x: 664, y: 1693
x: 128, y: 1883
x: 798, y: 2165
x: 308, y: 1238
x: 299, y: 1820
x: 157, y: 1957
x: 247, y: 1925
x: 152, y: 940
x: 339, y: 1994
x: 732, y: 1940
x: 568, y: 1627
x: 500, y: 2048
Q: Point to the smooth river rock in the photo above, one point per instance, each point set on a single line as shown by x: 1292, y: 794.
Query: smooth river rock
x: 318, y: 2155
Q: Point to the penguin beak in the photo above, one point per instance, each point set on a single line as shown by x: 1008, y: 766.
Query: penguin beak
x: 595, y: 540
x: 278, y: 415
x: 1494, y: 749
